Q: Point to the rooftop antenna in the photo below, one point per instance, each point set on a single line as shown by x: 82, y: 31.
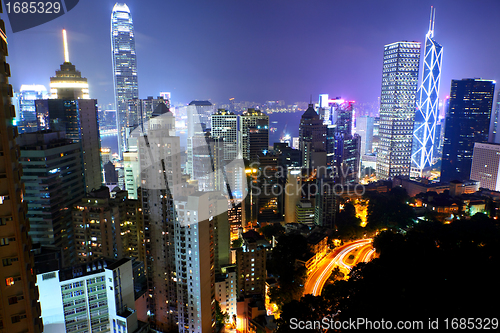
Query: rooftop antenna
x: 311, y: 99
x: 65, y: 43
x: 431, y: 22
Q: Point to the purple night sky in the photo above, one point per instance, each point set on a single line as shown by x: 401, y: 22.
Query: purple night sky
x: 258, y: 50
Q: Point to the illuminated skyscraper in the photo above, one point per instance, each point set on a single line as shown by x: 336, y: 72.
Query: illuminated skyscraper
x: 19, y: 310
x: 397, y: 108
x: 467, y: 122
x: 124, y: 69
x: 312, y: 135
x: 68, y: 82
x: 254, y: 133
x: 26, y: 113
x: 426, y: 116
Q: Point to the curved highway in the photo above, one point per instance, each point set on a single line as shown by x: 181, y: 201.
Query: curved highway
x: 317, y: 279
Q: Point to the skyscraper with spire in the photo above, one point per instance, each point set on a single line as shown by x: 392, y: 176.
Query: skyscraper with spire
x: 71, y: 110
x: 124, y: 69
x: 426, y: 116
x: 68, y: 82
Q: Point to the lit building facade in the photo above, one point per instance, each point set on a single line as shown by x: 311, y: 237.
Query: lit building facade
x: 224, y: 126
x: 26, y: 112
x: 78, y: 118
x: 20, y: 309
x: 68, y: 82
x: 93, y: 297
x: 96, y: 225
x: 486, y: 165
x: 312, y: 135
x: 52, y: 170
x: 397, y: 108
x: 467, y: 122
x: 254, y: 133
x: 124, y: 70
x: 426, y: 116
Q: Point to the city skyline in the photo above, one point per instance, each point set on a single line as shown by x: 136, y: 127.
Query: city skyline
x: 247, y: 61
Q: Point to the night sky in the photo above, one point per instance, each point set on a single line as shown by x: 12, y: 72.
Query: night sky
x: 258, y: 50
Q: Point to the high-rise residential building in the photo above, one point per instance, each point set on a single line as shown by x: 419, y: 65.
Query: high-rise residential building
x: 467, y: 122
x: 426, y: 115
x: 96, y: 225
x: 201, y: 248
x: 312, y: 135
x: 68, y: 84
x: 124, y: 70
x: 226, y: 290
x: 131, y: 166
x: 199, y: 114
x: 160, y: 167
x: 364, y: 127
x: 20, y: 309
x: 486, y: 165
x: 254, y: 133
x: 397, y: 108
x: 251, y: 264
x: 92, y: 297
x: 25, y: 106
x: 52, y: 174
x: 224, y: 126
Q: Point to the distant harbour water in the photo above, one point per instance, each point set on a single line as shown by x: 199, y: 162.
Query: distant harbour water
x: 283, y: 122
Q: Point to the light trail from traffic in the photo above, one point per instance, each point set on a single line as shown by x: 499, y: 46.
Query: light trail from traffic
x: 317, y: 279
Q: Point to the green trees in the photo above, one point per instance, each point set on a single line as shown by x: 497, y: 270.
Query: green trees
x: 291, y: 279
x: 433, y: 270
x: 389, y: 210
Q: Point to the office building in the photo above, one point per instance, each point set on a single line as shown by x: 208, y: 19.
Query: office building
x: 92, y: 297
x: 364, y: 127
x: 467, y: 122
x: 312, y: 135
x: 426, y: 116
x: 25, y: 106
x: 304, y: 211
x: 199, y: 115
x: 71, y: 111
x: 78, y: 119
x: 52, y: 175
x: 494, y: 131
x: 68, y: 84
x: 254, y: 133
x: 342, y: 146
x: 224, y: 126
x: 397, y: 108
x: 124, y: 70
x: 20, y: 310
x: 486, y: 165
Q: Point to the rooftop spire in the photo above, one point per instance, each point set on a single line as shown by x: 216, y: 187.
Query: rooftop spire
x: 65, y: 43
x: 431, y: 22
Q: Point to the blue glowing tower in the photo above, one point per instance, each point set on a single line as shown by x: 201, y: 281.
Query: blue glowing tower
x: 426, y: 116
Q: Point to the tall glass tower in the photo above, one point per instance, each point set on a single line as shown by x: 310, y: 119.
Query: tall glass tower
x: 426, y: 115
x: 124, y: 69
x: 397, y: 108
